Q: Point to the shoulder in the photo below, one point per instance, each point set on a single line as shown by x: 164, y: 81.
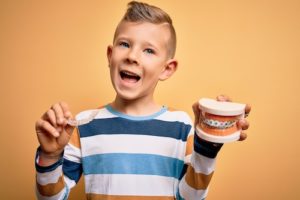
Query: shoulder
x: 176, y: 115
x: 100, y: 112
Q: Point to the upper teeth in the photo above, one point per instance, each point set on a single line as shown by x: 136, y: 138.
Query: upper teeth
x: 129, y: 73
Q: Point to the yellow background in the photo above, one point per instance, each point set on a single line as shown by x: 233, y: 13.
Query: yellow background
x: 56, y: 50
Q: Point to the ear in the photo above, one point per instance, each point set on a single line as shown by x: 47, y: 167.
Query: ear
x: 109, y: 53
x: 169, y: 69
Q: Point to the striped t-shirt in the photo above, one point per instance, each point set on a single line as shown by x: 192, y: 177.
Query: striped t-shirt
x: 124, y: 157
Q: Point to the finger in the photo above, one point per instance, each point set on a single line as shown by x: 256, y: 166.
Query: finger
x: 66, y: 110
x: 243, y: 136
x: 69, y: 129
x: 43, y: 126
x: 58, y: 113
x: 243, y: 124
x: 50, y: 116
x: 247, y: 109
x: 65, y: 136
x: 223, y: 98
x: 196, y: 111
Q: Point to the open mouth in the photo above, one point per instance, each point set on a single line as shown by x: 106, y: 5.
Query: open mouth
x: 129, y: 76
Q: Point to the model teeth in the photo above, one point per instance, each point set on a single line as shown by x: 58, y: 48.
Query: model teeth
x: 219, y: 124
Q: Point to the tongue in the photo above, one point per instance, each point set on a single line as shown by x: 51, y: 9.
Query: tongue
x: 129, y: 79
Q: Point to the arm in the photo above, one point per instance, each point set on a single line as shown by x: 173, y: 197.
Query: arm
x: 58, y: 159
x: 201, y: 165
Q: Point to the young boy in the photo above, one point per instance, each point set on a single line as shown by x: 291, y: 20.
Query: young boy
x: 132, y: 148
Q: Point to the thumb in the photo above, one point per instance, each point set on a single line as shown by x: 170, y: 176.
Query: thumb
x: 196, y: 111
x: 65, y: 135
x: 69, y: 129
x: 223, y: 98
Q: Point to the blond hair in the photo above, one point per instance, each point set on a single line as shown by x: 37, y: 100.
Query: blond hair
x: 143, y: 12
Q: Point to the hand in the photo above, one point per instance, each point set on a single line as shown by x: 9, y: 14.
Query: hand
x: 53, y: 132
x: 242, y: 123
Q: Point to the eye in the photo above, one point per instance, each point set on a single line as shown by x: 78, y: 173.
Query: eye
x: 150, y: 51
x: 124, y: 44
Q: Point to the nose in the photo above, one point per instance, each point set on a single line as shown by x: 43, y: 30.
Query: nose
x: 132, y: 56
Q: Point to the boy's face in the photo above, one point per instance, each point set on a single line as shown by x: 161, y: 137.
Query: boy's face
x: 139, y: 58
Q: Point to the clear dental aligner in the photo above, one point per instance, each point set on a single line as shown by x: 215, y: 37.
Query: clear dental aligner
x: 74, y: 122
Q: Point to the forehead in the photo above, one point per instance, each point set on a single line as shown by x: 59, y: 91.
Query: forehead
x: 158, y: 34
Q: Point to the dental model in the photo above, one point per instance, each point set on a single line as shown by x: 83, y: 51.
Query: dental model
x: 218, y: 120
x: 74, y: 122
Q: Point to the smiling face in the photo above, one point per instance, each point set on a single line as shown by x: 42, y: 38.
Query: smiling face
x: 139, y: 58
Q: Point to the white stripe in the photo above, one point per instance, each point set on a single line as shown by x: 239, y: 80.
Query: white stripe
x: 102, y: 114
x: 175, y: 116
x: 190, y: 193
x: 70, y: 183
x: 72, y: 153
x: 129, y: 184
x: 117, y: 143
x: 187, y: 159
x: 49, y: 177
x: 58, y: 196
x: 178, y: 116
x: 203, y: 164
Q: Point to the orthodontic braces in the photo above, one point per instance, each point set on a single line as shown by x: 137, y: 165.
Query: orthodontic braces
x: 218, y: 124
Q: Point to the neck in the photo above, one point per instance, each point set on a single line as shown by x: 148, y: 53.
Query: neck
x: 138, y: 107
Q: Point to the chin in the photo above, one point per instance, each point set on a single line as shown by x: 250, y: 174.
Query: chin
x: 126, y: 95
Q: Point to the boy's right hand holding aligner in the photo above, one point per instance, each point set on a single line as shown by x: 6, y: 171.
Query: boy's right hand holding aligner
x: 53, y: 133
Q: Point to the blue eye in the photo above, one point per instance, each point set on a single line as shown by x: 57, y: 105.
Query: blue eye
x: 150, y: 51
x: 124, y: 44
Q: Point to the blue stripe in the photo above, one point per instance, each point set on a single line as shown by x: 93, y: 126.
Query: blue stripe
x: 44, y: 169
x: 123, y: 163
x: 177, y: 130
x: 184, y: 169
x: 67, y: 192
x: 72, y: 170
x: 206, y: 148
x: 178, y: 196
x: 130, y: 117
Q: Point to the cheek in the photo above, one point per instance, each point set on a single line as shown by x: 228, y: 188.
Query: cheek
x: 153, y: 75
x: 114, y: 62
x: 116, y: 56
x: 113, y: 69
